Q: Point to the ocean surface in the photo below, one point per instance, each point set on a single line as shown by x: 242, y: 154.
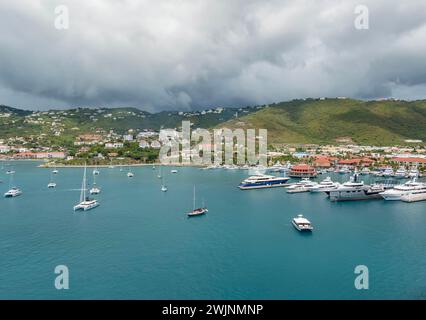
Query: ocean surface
x: 139, y: 243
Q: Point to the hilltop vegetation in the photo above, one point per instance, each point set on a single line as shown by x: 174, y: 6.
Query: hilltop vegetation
x: 387, y: 122
x: 326, y: 121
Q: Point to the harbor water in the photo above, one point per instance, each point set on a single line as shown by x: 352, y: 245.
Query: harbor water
x: 140, y: 244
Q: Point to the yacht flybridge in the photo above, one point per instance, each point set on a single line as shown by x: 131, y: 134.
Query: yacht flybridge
x: 85, y: 202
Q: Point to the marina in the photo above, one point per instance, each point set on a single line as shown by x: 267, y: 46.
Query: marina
x: 137, y: 227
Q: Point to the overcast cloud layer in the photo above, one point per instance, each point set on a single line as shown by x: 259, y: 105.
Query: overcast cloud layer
x: 182, y: 54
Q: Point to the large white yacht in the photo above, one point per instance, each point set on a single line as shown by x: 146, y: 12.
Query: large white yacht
x: 263, y: 181
x: 404, y: 189
x: 326, y: 185
x: 414, y: 172
x: 401, y: 173
x: 355, y: 190
x: 301, y: 186
x: 418, y: 195
x: 388, y: 172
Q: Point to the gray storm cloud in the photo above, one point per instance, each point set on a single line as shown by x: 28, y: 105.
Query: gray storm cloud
x: 181, y: 54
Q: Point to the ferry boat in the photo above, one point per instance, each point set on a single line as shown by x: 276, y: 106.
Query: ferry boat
x: 13, y: 192
x: 263, y: 181
x: 405, y: 189
x: 301, y: 223
x: 401, y: 173
x: 326, y: 185
x: 354, y: 190
x: 418, y: 195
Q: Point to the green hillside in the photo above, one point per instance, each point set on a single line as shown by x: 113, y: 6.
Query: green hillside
x: 299, y: 121
x: 323, y: 121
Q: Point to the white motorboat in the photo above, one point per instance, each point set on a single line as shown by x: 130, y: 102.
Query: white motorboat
x: 401, y: 173
x: 174, y: 171
x: 414, y: 172
x: 301, y: 223
x: 13, y: 192
x: 51, y: 185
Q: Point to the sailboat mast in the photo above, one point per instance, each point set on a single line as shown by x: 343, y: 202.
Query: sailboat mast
x: 194, y: 199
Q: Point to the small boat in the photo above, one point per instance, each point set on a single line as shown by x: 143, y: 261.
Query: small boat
x: 96, y: 172
x: 55, y: 171
x: 13, y: 192
x: 297, y: 189
x: 197, y: 211
x: 95, y: 189
x: 163, y: 186
x: 51, y: 185
x: 85, y: 203
x: 388, y: 172
x: 174, y: 171
x: 10, y: 172
x: 302, y: 224
x: 130, y: 174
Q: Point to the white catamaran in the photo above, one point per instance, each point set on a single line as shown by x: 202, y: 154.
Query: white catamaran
x: 85, y: 202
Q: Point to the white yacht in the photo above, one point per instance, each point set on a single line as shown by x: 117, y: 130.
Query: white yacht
x: 355, y: 190
x: 404, y: 189
x: 302, y: 186
x: 301, y: 223
x: 326, y: 185
x: 418, y: 195
x: 85, y: 203
x: 262, y: 181
x: 401, y: 173
x: 388, y: 172
x: 414, y: 172
x: 13, y: 192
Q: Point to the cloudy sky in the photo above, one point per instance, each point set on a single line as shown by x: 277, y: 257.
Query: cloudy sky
x: 192, y: 54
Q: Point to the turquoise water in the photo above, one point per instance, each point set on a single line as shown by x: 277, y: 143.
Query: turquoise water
x: 139, y: 244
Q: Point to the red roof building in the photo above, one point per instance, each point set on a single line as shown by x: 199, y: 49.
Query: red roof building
x: 302, y: 171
